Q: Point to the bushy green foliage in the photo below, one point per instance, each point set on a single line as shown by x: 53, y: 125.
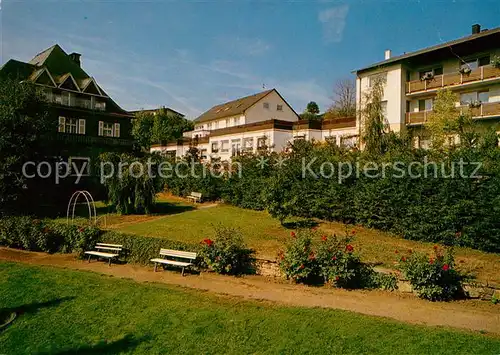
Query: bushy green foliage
x: 131, y: 188
x: 298, y: 261
x: 227, y: 254
x: 140, y: 250
x: 25, y: 124
x: 46, y: 236
x: 433, y: 278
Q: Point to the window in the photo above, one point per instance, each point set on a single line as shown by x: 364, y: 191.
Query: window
x: 473, y: 97
x: 266, y: 105
x: 476, y: 62
x: 101, y: 106
x: 209, y: 126
x: 79, y: 165
x: 279, y: 107
x: 261, y: 142
x: 372, y: 79
x: 430, y: 72
x: 71, y: 125
x: 235, y: 147
x: 224, y: 146
x: 235, y: 121
x: 484, y: 61
x: 383, y: 107
x: 107, y: 129
x: 425, y: 105
x: 215, y: 147
x: 228, y: 122
x: 248, y: 144
x: 203, y: 154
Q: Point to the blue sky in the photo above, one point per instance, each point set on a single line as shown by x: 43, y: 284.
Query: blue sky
x: 192, y: 55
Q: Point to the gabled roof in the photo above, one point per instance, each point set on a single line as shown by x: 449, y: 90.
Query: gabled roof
x: 232, y: 108
x: 58, y: 62
x: 394, y: 60
x: 16, y: 69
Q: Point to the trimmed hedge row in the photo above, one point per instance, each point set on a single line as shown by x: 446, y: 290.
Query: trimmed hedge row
x: 140, y: 250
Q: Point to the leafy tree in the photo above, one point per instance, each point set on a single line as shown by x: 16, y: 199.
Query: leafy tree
x: 25, y: 125
x: 373, y: 120
x: 312, y: 107
x: 446, y: 121
x: 159, y: 128
x: 344, y: 100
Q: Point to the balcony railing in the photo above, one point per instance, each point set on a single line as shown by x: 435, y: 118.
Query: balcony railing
x: 92, y: 140
x: 487, y: 109
x: 486, y: 72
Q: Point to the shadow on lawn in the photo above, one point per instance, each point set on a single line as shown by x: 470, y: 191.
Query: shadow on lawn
x: 166, y: 208
x: 115, y: 347
x: 36, y: 306
x: 300, y: 224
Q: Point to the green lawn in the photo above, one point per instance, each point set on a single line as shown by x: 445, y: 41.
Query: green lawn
x: 68, y: 312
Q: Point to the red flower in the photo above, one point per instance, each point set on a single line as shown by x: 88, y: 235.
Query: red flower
x: 80, y: 229
x: 324, y: 238
x: 334, y: 257
x: 208, y: 242
x: 446, y: 267
x: 314, y: 229
x: 337, y: 278
x: 301, y: 267
x: 353, y: 231
x: 403, y: 259
x: 396, y: 251
x: 292, y: 234
x: 431, y: 261
x: 410, y: 251
x: 435, y: 247
x: 349, y: 248
x: 458, y: 234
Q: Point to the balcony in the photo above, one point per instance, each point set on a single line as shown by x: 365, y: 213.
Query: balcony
x: 486, y: 110
x: 196, y: 133
x: 92, y: 140
x: 485, y: 73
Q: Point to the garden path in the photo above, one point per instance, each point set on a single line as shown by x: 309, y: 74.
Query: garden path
x: 472, y: 315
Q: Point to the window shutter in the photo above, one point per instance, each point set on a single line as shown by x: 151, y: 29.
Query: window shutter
x: 116, y: 132
x: 62, y: 122
x: 101, y: 128
x: 81, y: 126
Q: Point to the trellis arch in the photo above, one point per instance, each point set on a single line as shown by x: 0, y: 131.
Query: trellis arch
x: 90, y: 204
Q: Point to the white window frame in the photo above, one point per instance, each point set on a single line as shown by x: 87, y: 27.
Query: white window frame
x: 81, y: 126
x: 107, y: 129
x: 70, y: 123
x: 62, y: 124
x: 224, y: 143
x: 116, y: 130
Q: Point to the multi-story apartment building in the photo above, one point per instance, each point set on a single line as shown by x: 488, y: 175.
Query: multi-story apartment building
x: 252, y: 122
x: 90, y: 122
x: 469, y: 66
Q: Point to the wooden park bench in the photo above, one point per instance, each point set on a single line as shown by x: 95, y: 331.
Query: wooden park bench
x: 110, y: 251
x: 195, y: 196
x: 189, y: 257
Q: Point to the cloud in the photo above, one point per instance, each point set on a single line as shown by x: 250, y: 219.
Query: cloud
x: 333, y: 22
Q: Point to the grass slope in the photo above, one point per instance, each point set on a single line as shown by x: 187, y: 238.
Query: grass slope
x: 68, y: 312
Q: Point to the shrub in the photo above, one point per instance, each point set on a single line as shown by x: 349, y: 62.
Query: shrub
x: 340, y: 266
x: 433, y: 278
x: 141, y: 250
x: 46, y: 236
x: 298, y: 260
x: 227, y: 254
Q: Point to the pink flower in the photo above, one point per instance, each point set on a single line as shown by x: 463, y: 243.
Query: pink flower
x: 446, y: 267
x: 334, y: 257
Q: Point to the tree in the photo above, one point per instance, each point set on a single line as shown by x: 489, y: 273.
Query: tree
x: 344, y: 100
x: 312, y: 107
x: 25, y: 130
x: 373, y: 120
x: 446, y: 121
x: 159, y: 128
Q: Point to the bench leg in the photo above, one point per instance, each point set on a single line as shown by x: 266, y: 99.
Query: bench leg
x: 156, y: 264
x: 182, y: 272
x: 90, y: 257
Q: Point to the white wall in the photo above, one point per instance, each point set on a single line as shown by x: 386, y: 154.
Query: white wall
x: 258, y: 113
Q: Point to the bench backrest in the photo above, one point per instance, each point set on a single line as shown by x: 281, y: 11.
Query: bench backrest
x: 109, y: 245
x: 178, y: 254
x: 196, y: 194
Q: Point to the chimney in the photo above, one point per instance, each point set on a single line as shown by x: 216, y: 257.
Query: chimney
x: 75, y: 57
x: 476, y: 29
x: 388, y: 54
